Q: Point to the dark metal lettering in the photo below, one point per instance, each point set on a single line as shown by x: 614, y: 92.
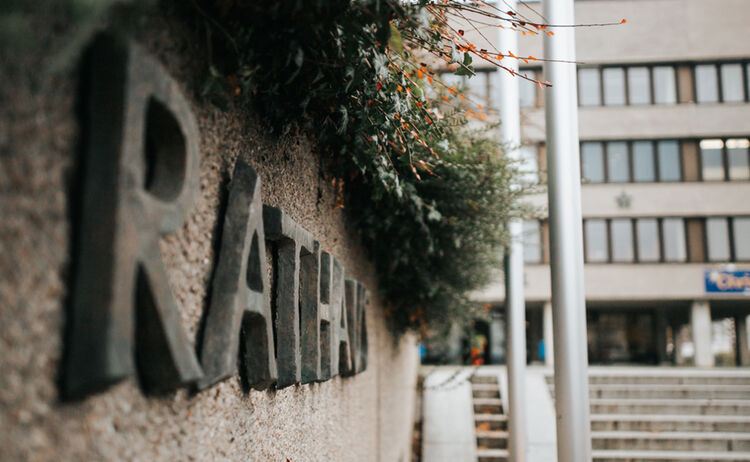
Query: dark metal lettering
x: 140, y: 181
x: 239, y: 317
x: 306, y: 325
x: 292, y: 243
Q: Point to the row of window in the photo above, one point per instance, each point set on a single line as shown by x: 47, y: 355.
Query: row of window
x: 634, y: 85
x: 657, y: 84
x: 639, y: 240
x: 650, y: 161
x: 630, y: 161
x: 650, y: 240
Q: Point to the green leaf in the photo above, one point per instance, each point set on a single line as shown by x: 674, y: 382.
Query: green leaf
x: 467, y: 71
x: 396, y: 42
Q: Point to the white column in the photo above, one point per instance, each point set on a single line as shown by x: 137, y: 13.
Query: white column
x: 700, y: 321
x: 515, y: 307
x: 549, y: 344
x: 566, y: 237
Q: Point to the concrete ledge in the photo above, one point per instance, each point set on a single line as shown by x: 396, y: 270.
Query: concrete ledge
x: 448, y: 418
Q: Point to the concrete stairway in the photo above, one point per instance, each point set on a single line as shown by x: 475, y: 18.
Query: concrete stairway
x: 669, y: 414
x: 490, y: 421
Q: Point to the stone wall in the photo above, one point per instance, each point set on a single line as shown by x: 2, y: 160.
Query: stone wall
x: 364, y: 417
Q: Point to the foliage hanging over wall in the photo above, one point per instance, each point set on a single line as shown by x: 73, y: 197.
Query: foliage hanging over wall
x: 422, y: 181
x: 428, y: 193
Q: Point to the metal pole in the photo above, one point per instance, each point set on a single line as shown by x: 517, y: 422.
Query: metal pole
x: 566, y: 238
x: 515, y: 309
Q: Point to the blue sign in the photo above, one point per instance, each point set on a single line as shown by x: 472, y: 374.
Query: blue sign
x: 727, y: 282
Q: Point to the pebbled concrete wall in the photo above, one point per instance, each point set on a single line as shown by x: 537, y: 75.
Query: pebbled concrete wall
x: 367, y: 417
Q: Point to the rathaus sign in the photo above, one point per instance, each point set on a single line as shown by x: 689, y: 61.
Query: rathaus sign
x: 298, y: 321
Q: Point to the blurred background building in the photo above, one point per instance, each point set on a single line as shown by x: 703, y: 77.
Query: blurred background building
x: 664, y: 111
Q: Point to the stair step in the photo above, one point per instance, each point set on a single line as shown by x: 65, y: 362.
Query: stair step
x: 488, y: 401
x: 661, y: 391
x: 492, y: 434
x: 670, y: 423
x: 488, y: 406
x: 492, y: 439
x: 492, y: 455
x: 484, y: 379
x: 677, y: 379
x: 602, y: 455
x: 485, y: 394
x: 490, y: 422
x: 671, y: 406
x: 673, y: 441
x: 491, y: 417
x: 485, y: 386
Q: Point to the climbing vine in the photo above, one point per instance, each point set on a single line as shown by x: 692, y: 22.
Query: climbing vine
x: 422, y: 180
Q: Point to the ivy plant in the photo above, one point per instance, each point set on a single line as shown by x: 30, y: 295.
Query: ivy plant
x: 428, y: 192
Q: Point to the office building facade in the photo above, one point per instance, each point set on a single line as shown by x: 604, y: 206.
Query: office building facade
x: 664, y: 115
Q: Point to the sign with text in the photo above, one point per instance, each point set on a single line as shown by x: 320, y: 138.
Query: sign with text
x: 282, y: 310
x: 727, y: 282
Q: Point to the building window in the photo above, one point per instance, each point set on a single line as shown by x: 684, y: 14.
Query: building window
x: 741, y: 238
x: 712, y: 160
x: 527, y: 90
x: 643, y: 161
x: 717, y: 238
x: 737, y: 158
x: 528, y: 165
x: 732, y: 83
x: 647, y: 235
x: 618, y: 166
x: 589, y: 87
x: 614, y: 86
x: 622, y: 240
x: 665, y: 85
x: 592, y: 157
x: 477, y: 87
x: 669, y: 161
x: 725, y: 159
x: 532, y: 241
x: 673, y: 237
x: 639, y: 86
x: 597, y: 249
x: 706, y: 84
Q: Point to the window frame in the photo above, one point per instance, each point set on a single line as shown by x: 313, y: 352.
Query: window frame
x: 598, y: 71
x: 730, y: 247
x: 745, y: 68
x: 724, y: 160
x: 732, y: 242
x: 631, y: 161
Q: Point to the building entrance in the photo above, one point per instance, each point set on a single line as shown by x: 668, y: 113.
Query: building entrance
x: 621, y: 337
